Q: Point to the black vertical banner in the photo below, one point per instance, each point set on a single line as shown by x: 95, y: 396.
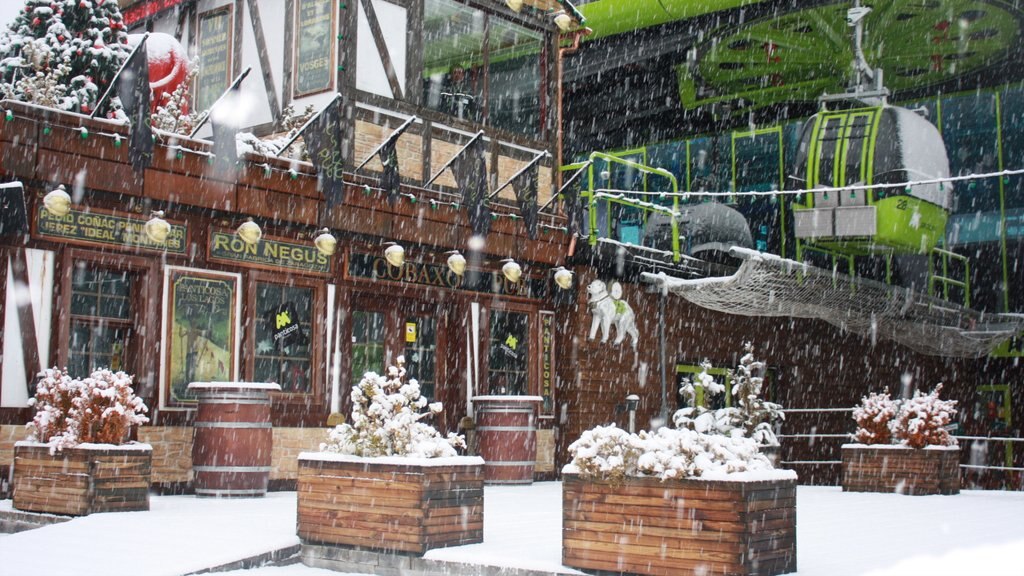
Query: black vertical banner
x: 470, y: 170
x: 134, y: 92
x: 323, y: 140
x: 525, y: 186
x: 390, y: 179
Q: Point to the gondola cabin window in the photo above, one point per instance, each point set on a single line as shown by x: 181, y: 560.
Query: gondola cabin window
x: 100, y: 319
x: 284, y: 353
x: 508, y: 368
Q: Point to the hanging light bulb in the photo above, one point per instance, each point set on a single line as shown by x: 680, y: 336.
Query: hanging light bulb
x: 563, y: 278
x: 394, y: 254
x: 249, y: 232
x: 157, y: 229
x: 456, y: 263
x: 511, y: 270
x: 58, y: 201
x: 564, y: 21
x: 325, y: 242
x: 514, y: 5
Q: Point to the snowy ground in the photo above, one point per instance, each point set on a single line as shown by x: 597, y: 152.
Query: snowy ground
x: 838, y: 534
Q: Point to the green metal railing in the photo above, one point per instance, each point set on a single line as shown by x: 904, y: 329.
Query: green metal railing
x: 948, y: 262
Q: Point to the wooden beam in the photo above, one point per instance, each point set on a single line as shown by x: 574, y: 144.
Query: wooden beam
x: 261, y: 51
x: 236, y: 60
x: 289, y: 44
x: 382, y: 49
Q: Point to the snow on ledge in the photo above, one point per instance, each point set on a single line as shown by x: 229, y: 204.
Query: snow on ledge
x: 395, y: 460
x: 141, y: 446
x: 234, y: 385
x: 499, y: 398
x: 746, y: 476
x: 899, y: 447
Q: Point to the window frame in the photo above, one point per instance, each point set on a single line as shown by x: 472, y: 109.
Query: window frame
x: 533, y: 356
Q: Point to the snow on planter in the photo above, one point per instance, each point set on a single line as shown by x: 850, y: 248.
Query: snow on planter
x: 903, y: 446
x: 388, y: 481
x: 76, y: 461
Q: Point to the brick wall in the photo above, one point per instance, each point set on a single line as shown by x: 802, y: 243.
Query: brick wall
x: 288, y: 442
x: 172, y: 452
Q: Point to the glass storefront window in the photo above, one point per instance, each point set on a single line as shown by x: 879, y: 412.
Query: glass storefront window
x: 284, y: 353
x: 453, y: 75
x: 509, y: 354
x: 514, y: 89
x: 100, y: 319
x: 367, y: 343
x: 421, y: 353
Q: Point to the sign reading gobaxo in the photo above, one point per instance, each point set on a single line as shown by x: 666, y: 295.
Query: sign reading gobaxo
x: 226, y: 246
x: 438, y: 275
x: 104, y: 228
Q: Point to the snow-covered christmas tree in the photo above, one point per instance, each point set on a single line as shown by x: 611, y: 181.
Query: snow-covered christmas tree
x: 63, y: 53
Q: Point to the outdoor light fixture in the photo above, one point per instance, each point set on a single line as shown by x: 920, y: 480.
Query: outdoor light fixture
x: 514, y: 5
x: 157, y: 229
x: 457, y: 263
x: 58, y: 201
x: 563, y: 278
x: 564, y: 21
x: 511, y: 270
x: 394, y: 254
x: 632, y: 402
x: 249, y: 232
x: 325, y: 242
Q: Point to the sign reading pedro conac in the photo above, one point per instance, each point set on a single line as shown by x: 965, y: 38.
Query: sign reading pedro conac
x: 97, y: 227
x: 268, y: 253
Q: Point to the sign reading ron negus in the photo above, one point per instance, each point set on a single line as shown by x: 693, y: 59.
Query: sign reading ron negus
x: 227, y: 246
x: 100, y: 228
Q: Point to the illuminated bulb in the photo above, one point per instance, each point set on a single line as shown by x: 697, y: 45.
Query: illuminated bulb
x: 563, y: 278
x: 249, y: 232
x: 395, y: 255
x: 457, y: 263
x: 157, y: 229
x: 514, y: 5
x: 512, y: 271
x: 58, y: 201
x: 564, y: 22
x: 325, y: 242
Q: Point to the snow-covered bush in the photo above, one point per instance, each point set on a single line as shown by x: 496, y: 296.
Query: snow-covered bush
x: 99, y: 409
x: 875, y: 417
x: 386, y: 414
x: 922, y: 420
x: 752, y: 417
x: 62, y: 53
x: 609, y: 453
x: 173, y: 114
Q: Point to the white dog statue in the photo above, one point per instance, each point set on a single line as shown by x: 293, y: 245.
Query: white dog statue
x: 608, y: 308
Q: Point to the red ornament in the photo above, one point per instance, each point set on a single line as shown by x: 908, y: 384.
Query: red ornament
x: 82, y: 4
x: 28, y: 8
x: 60, y: 37
x: 35, y: 21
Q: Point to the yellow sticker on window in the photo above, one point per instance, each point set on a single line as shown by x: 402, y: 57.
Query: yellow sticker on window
x: 410, y: 332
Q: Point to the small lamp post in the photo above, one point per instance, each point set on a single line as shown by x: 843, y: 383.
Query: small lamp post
x: 632, y: 401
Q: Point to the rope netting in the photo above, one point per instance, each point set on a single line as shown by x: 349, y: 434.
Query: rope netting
x: 767, y: 285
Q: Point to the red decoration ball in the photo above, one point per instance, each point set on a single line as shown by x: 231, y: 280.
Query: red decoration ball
x: 60, y: 38
x: 35, y: 21
x: 82, y: 4
x: 85, y: 109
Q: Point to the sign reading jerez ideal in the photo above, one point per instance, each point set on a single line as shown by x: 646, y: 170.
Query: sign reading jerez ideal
x: 93, y: 227
x: 226, y: 246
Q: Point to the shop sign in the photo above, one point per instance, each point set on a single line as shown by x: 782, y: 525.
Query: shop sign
x: 215, y: 55
x: 285, y: 327
x: 547, y: 363
x: 93, y: 227
x: 424, y: 274
x: 202, y: 330
x: 314, y: 46
x: 226, y: 246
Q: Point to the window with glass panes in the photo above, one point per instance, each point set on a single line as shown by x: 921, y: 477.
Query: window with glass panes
x: 286, y: 361
x: 100, y: 319
x: 367, y: 343
x: 508, y: 366
x: 421, y: 352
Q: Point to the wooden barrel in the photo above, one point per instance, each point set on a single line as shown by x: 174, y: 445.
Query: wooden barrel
x: 233, y: 438
x: 507, y: 433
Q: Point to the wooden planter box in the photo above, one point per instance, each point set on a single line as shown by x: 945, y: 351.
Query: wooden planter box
x: 693, y: 526
x: 899, y: 469
x: 82, y: 480
x: 390, y: 504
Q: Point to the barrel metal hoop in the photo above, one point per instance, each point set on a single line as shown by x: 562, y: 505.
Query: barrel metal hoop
x: 233, y: 425
x: 246, y: 401
x: 506, y: 428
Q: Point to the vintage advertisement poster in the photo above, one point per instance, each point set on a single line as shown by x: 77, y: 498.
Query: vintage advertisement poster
x: 202, y: 330
x: 314, y: 46
x: 214, y: 56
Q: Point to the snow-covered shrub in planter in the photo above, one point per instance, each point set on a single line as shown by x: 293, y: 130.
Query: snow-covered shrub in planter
x: 903, y: 446
x: 388, y: 454
x: 654, y: 502
x: 752, y: 417
x: 76, y: 460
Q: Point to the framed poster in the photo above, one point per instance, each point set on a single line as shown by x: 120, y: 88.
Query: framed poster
x: 201, y: 320
x: 214, y: 53
x: 314, y: 46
